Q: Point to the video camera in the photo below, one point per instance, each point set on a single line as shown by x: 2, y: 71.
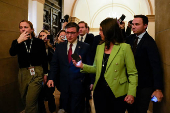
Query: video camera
x: 66, y: 17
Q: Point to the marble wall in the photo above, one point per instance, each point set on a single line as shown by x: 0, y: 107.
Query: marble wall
x: 162, y: 37
x: 11, y: 13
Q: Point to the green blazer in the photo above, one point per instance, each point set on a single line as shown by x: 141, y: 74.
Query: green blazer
x: 121, y: 60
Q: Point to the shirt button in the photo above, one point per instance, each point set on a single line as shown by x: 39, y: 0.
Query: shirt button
x: 114, y: 78
x: 116, y: 63
x: 115, y: 70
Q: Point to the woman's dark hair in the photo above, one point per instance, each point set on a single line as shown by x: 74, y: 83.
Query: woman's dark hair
x: 56, y: 38
x: 31, y: 25
x: 111, y: 32
x: 60, y: 32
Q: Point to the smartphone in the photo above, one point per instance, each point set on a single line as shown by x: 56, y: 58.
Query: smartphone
x: 63, y: 37
x: 76, y: 57
x: 122, y: 18
x: 50, y: 37
x: 154, y: 99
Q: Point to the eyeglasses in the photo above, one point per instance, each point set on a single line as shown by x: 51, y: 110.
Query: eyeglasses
x: 71, y: 33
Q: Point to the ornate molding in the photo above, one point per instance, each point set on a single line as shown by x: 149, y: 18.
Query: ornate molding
x: 74, y: 19
x: 151, y: 18
x: 40, y: 1
x: 94, y: 29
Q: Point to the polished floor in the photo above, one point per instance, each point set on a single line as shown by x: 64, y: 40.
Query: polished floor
x: 57, y: 96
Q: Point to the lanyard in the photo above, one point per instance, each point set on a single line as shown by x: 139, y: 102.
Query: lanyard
x: 28, y: 50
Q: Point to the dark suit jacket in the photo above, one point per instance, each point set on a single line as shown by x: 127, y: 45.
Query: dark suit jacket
x: 147, y: 60
x: 70, y: 77
x: 89, y: 39
x: 90, y: 78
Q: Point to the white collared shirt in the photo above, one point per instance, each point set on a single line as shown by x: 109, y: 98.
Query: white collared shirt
x: 84, y: 37
x: 140, y: 36
x: 73, y: 46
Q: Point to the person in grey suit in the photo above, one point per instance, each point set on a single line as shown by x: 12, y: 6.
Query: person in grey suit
x: 148, y: 64
x: 71, y: 80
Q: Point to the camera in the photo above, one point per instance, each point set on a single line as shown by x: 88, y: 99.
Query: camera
x: 121, y: 18
x: 130, y: 21
x: 66, y: 17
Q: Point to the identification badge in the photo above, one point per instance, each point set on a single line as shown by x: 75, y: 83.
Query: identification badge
x: 32, y: 72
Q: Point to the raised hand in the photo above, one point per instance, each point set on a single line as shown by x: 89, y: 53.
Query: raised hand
x: 24, y: 36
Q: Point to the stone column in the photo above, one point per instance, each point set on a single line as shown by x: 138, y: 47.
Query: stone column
x: 151, y: 25
x: 35, y: 14
x: 162, y: 38
x: 12, y: 12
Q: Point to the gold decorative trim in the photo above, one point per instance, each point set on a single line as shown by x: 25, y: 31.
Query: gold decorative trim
x: 151, y: 18
x: 150, y: 6
x: 73, y: 7
x: 40, y: 1
x: 107, y: 6
x: 74, y: 19
x: 94, y: 29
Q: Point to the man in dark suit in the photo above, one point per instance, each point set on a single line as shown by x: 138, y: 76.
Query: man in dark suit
x: 71, y: 80
x: 86, y: 37
x: 148, y: 64
x: 83, y: 35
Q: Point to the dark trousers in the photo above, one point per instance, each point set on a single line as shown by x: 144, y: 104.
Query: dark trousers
x: 46, y: 94
x: 72, y: 103
x: 105, y: 101
x: 141, y: 104
x: 87, y: 97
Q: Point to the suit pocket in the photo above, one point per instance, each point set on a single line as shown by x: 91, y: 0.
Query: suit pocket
x: 123, y: 80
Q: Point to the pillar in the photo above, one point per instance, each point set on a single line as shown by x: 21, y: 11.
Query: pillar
x: 35, y: 14
x: 162, y: 38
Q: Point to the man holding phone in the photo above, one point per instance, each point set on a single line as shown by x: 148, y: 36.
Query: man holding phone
x: 71, y: 80
x: 148, y: 65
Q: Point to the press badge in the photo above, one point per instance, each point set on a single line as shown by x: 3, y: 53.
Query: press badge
x: 32, y: 72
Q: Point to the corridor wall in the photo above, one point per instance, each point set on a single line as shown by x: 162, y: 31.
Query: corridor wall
x: 162, y: 37
x: 11, y: 13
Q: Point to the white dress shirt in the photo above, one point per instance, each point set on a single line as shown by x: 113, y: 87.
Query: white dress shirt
x: 73, y: 46
x: 140, y: 36
x: 84, y: 37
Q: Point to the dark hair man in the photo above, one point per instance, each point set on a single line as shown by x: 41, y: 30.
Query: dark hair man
x: 71, y: 80
x: 148, y: 64
x: 84, y: 36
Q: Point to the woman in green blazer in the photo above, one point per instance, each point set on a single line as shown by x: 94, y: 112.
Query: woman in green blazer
x: 116, y: 75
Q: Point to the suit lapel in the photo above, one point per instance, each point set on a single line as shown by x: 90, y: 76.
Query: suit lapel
x: 114, y: 52
x: 86, y: 39
x: 65, y: 56
x: 100, y: 56
x: 78, y: 47
x: 141, y: 42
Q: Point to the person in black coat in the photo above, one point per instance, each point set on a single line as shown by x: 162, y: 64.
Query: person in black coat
x: 47, y: 93
x: 148, y: 64
x: 88, y: 38
x: 72, y: 86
